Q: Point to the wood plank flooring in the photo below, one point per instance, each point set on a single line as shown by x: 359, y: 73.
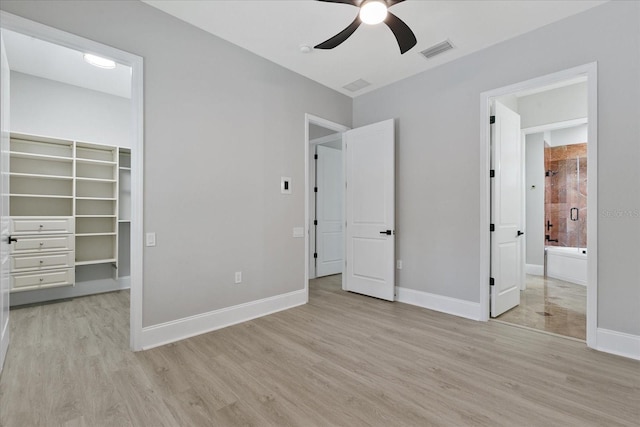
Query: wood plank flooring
x: 342, y: 359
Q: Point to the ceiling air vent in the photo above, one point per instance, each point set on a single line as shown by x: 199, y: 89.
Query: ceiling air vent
x: 357, y: 85
x: 437, y: 49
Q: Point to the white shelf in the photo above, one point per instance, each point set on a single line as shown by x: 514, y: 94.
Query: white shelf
x: 95, y: 216
x: 39, y: 176
x: 124, y: 168
x: 96, y: 198
x: 124, y: 221
x: 21, y: 155
x: 80, y: 178
x: 95, y: 162
x: 96, y: 261
x: 95, y: 234
x: 41, y: 196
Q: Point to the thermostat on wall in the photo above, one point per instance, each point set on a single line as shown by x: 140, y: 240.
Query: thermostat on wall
x: 285, y: 185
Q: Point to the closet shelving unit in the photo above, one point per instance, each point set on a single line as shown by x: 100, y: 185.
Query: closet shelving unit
x: 96, y: 201
x: 67, y: 209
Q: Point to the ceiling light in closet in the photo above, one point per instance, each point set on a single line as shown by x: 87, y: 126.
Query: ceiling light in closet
x: 98, y: 61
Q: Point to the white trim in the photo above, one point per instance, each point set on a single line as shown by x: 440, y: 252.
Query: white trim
x: 62, y: 38
x: 318, y: 121
x: 176, y: 330
x: 536, y: 270
x: 618, y: 343
x: 454, y: 306
x: 589, y: 70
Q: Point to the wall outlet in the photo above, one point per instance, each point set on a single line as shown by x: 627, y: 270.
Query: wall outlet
x: 238, y: 277
x: 150, y: 239
x: 399, y: 264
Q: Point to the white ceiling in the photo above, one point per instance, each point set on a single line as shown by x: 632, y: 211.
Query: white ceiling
x: 275, y: 30
x: 39, y: 58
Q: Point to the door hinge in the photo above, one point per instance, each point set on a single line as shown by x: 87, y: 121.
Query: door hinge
x: 492, y: 120
x: 492, y: 227
x: 492, y: 173
x: 315, y: 254
x: 315, y: 156
x: 315, y: 222
x: 491, y: 281
x: 315, y: 189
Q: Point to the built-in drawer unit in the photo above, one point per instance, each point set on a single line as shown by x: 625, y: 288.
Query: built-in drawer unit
x: 42, y: 279
x: 40, y: 244
x: 42, y: 225
x: 42, y: 261
x: 42, y: 252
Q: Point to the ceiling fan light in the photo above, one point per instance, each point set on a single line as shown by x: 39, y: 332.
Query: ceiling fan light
x: 373, y: 12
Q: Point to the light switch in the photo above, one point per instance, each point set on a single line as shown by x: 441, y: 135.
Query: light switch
x: 298, y: 231
x: 151, y: 239
x: 285, y: 185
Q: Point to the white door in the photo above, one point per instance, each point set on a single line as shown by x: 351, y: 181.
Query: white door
x: 370, y: 210
x: 4, y: 206
x: 329, y: 238
x: 506, y: 210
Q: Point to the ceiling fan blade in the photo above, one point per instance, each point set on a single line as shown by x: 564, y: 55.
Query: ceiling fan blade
x: 341, y: 36
x: 351, y: 2
x: 405, y: 37
x: 392, y: 2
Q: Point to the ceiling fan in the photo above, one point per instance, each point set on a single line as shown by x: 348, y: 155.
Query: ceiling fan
x: 373, y: 12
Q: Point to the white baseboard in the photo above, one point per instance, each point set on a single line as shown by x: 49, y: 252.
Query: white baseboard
x: 457, y: 307
x: 176, y: 330
x: 536, y: 270
x: 618, y: 343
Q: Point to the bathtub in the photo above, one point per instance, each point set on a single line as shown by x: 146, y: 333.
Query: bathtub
x: 568, y: 264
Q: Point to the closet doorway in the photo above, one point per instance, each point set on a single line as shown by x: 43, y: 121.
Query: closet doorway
x: 82, y: 146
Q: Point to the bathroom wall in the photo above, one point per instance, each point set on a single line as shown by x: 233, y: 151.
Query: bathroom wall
x: 566, y: 188
x: 534, y: 193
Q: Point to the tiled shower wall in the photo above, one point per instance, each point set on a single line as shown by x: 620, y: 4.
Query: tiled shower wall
x: 566, y: 188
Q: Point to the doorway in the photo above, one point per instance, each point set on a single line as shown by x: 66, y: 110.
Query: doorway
x: 134, y: 157
x: 529, y: 275
x: 368, y: 207
x: 324, y: 201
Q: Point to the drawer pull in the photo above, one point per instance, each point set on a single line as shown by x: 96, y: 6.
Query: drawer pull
x: 41, y: 243
x: 42, y: 279
x: 41, y: 262
x: 41, y: 226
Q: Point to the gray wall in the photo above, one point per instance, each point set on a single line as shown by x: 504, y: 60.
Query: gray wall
x: 45, y: 107
x: 221, y: 127
x: 534, y: 186
x: 438, y: 111
x: 552, y: 106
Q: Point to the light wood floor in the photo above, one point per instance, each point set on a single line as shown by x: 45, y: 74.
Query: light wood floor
x: 342, y: 359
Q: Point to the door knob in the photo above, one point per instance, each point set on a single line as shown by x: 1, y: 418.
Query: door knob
x: 520, y: 233
x: 387, y: 232
x: 11, y: 239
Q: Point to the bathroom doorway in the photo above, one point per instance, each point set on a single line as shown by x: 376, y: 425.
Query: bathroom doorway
x: 553, y: 295
x: 555, y: 271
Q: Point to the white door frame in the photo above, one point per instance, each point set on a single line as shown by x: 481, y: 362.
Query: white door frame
x: 312, y: 202
x: 318, y: 121
x: 62, y: 38
x: 590, y: 71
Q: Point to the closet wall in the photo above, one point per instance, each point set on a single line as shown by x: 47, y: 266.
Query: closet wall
x: 44, y: 107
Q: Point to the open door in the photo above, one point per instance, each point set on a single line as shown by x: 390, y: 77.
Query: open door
x: 329, y: 198
x: 4, y: 206
x: 370, y: 210
x: 506, y: 210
